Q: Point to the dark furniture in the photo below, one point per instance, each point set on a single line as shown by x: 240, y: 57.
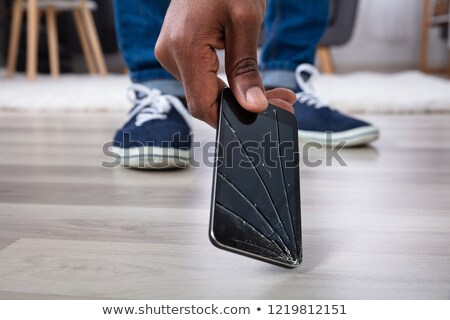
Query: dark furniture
x: 340, y: 28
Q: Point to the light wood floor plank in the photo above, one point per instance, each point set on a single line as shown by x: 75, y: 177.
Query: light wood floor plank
x: 183, y: 226
x: 8, y: 295
x: 115, y: 224
x: 377, y: 228
x: 6, y: 240
x: 123, y: 270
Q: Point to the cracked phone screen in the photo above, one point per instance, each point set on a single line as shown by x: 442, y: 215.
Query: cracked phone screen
x: 256, y: 194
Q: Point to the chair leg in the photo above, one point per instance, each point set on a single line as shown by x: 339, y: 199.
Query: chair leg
x: 32, y: 38
x: 14, y: 38
x: 84, y: 41
x: 53, y: 49
x: 425, y: 37
x: 325, y: 59
x: 93, y: 38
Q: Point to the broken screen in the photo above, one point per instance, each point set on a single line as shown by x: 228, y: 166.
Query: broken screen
x: 256, y: 193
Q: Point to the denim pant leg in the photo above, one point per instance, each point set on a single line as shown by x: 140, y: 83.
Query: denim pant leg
x: 293, y: 29
x: 138, y: 24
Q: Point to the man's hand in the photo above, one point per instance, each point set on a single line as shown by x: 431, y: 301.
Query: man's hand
x: 186, y: 47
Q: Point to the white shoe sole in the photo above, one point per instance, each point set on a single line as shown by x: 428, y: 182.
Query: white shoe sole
x: 349, y: 138
x: 152, y: 157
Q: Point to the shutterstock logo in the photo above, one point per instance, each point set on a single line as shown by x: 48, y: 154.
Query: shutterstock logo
x: 268, y: 152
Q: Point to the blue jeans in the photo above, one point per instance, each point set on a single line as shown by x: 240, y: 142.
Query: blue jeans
x: 293, y: 29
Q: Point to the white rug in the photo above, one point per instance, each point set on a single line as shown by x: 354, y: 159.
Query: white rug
x: 362, y: 92
x: 405, y: 92
x: 69, y: 93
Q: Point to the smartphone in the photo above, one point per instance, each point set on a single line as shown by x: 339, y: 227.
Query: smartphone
x: 255, y: 207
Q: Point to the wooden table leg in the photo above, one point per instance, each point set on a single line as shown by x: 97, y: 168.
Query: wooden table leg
x: 424, y: 37
x: 325, y: 59
x: 14, y: 38
x: 52, y: 34
x: 32, y: 39
x: 87, y: 52
x: 93, y: 38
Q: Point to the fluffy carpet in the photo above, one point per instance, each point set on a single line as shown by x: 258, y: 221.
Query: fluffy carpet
x: 405, y: 92
x: 362, y: 92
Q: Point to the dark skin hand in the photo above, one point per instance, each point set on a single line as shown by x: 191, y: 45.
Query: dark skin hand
x: 186, y: 47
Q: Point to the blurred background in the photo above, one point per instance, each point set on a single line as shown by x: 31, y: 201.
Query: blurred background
x: 386, y: 36
x: 375, y: 36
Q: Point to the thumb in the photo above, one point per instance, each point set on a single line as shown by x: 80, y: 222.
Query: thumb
x: 242, y: 66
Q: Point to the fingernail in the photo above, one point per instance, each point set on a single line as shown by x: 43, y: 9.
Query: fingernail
x: 255, y: 96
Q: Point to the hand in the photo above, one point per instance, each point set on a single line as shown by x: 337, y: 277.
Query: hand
x: 186, y: 47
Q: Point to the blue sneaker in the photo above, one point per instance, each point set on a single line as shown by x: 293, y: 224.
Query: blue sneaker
x: 316, y: 120
x: 156, y: 133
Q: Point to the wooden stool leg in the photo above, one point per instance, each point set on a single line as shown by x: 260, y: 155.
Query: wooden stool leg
x: 93, y: 38
x: 84, y: 41
x: 325, y: 59
x: 425, y: 37
x: 14, y: 38
x: 53, y: 48
x: 32, y: 38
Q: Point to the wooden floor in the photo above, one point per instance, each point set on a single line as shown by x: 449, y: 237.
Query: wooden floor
x: 378, y: 228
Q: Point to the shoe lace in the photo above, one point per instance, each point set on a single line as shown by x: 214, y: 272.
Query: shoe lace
x: 307, y: 94
x: 150, y: 104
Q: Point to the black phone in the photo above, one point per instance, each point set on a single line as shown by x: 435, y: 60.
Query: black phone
x: 255, y: 207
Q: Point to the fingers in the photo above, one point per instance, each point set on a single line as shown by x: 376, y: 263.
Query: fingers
x: 282, y: 98
x: 192, y: 31
x: 201, y: 85
x: 282, y: 104
x: 196, y: 66
x: 241, y: 41
x: 208, y: 113
x: 282, y: 93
